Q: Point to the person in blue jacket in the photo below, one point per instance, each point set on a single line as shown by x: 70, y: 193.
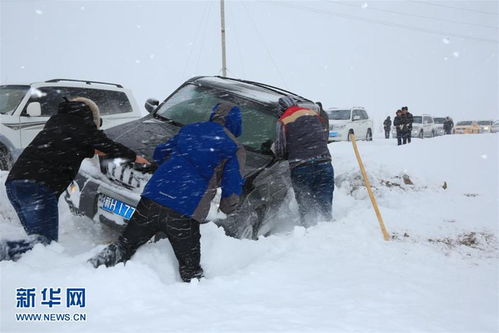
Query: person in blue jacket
x: 192, y: 164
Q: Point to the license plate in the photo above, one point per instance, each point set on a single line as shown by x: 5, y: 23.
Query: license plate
x: 333, y: 134
x: 116, y: 207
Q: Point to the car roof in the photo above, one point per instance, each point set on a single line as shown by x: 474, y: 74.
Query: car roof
x: 73, y: 84
x: 255, y: 90
x: 348, y: 108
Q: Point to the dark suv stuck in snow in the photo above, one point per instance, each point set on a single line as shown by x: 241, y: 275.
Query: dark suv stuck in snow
x: 108, y: 190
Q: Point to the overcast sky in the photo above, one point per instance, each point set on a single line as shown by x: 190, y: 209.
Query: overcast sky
x: 437, y: 57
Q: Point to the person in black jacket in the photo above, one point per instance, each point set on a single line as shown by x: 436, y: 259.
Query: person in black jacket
x: 397, y: 122
x: 49, y: 164
x: 407, y: 120
x: 448, y: 125
x: 387, y: 124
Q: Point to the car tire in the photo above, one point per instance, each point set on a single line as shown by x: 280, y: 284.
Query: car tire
x: 369, y: 135
x: 5, y: 158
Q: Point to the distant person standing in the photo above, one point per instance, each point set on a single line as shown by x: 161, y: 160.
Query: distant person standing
x: 301, y: 140
x: 407, y: 120
x: 387, y: 124
x: 397, y: 122
x: 448, y: 125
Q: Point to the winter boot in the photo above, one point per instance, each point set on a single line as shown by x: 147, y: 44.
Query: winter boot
x: 13, y: 250
x: 110, y: 256
x: 187, y: 274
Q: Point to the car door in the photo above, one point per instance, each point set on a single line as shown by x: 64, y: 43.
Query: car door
x: 426, y: 126
x: 366, y: 123
x: 357, y: 124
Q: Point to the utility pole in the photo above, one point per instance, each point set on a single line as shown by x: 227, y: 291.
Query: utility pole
x: 224, y: 59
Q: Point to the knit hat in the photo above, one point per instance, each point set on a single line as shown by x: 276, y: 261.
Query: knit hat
x: 285, y: 103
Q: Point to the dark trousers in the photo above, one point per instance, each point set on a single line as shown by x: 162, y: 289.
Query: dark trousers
x: 313, y: 184
x: 182, y: 232
x: 387, y: 133
x: 399, y: 137
x: 36, y: 206
x: 406, y: 137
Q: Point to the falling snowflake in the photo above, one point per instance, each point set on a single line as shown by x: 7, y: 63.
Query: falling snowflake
x: 82, y: 8
x: 455, y: 54
x: 446, y: 40
x: 22, y: 67
x: 364, y: 5
x: 152, y: 56
x: 484, y: 156
x: 446, y: 58
x: 137, y: 61
x: 138, y: 26
x: 39, y: 11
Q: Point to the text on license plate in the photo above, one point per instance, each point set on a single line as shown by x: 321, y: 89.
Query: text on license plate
x: 116, y: 206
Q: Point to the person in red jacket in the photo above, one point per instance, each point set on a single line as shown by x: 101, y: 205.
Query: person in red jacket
x: 301, y: 140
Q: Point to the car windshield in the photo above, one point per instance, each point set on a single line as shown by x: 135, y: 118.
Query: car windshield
x: 193, y: 103
x: 338, y: 114
x: 485, y: 122
x: 10, y: 97
x: 464, y: 123
x: 439, y: 120
x: 417, y: 119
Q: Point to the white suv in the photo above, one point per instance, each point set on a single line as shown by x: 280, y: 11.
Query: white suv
x: 343, y: 121
x: 24, y: 109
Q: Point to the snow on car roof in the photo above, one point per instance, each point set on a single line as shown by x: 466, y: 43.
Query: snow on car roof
x: 263, y: 93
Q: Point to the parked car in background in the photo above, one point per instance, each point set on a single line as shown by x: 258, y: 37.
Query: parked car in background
x: 25, y: 108
x: 343, y: 121
x: 467, y: 127
x: 439, y: 125
x: 107, y: 191
x: 422, y: 127
x: 485, y: 125
x: 495, y: 127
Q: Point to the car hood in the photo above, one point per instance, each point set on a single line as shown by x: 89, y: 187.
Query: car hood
x: 143, y: 135
x: 338, y: 122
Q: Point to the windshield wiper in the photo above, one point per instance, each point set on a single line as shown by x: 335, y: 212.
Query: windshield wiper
x: 170, y: 121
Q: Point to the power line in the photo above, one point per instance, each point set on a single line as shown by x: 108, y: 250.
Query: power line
x: 452, y: 7
x: 414, y: 15
x: 396, y: 25
x: 264, y: 44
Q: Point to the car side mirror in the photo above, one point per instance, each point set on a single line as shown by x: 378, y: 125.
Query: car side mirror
x: 356, y: 118
x: 34, y: 109
x: 151, y: 104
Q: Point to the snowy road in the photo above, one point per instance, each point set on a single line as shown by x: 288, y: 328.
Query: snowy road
x: 438, y: 274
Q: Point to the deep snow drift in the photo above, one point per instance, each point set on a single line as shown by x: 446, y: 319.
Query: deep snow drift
x: 438, y: 273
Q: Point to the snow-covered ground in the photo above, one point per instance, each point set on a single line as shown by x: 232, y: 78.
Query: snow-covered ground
x: 439, y: 273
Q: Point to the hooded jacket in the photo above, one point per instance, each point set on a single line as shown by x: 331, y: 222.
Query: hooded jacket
x: 200, y: 158
x: 55, y: 154
x: 387, y: 123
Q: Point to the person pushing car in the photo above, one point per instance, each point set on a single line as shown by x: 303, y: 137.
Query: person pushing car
x: 192, y: 164
x: 49, y: 164
x: 303, y: 142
